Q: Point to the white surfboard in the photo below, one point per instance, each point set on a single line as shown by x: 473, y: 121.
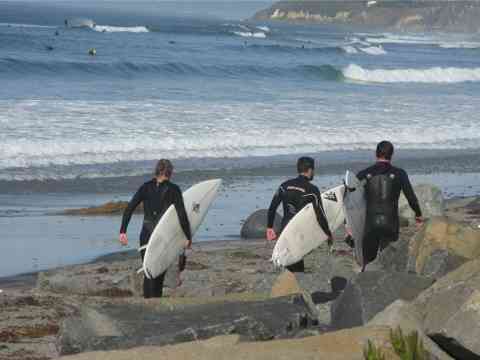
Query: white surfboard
x: 168, y: 239
x: 355, y: 213
x: 303, y: 234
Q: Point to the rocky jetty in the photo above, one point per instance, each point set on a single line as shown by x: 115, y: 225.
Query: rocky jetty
x: 411, y: 15
x: 234, y: 304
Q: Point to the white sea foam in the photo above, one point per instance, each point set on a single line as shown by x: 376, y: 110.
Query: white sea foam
x: 264, y: 28
x: 431, y: 75
x: 56, y: 133
x: 110, y: 29
x: 374, y: 50
x: 28, y: 25
x: 460, y: 45
x: 349, y: 49
x: 250, y: 34
x: 401, y: 39
x: 354, y: 40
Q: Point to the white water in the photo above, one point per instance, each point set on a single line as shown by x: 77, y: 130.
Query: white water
x: 431, y: 75
x: 45, y: 133
x: 249, y: 34
x: 374, y: 50
x: 109, y: 29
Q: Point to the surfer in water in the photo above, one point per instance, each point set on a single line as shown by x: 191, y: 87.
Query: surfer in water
x: 383, y: 185
x: 156, y: 195
x: 295, y: 194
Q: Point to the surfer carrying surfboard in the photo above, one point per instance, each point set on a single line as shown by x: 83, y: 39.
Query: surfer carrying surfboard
x: 383, y: 185
x: 294, y: 195
x: 157, y: 195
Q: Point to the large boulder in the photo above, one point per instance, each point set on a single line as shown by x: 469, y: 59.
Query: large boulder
x: 431, y: 202
x: 370, y: 292
x: 341, y: 345
x: 442, y: 246
x: 286, y: 284
x: 393, y: 258
x: 125, y: 324
x: 99, y: 279
x: 402, y: 314
x: 255, y: 226
x: 450, y: 310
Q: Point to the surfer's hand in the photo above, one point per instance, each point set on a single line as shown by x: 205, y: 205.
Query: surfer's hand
x: 188, y: 244
x: 330, y: 241
x: 123, y: 239
x: 271, y: 234
x: 419, y: 222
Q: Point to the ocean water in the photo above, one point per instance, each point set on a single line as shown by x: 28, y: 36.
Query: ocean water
x: 201, y: 84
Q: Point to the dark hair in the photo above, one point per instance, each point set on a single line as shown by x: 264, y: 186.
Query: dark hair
x: 385, y: 150
x: 304, y: 164
x: 164, y: 168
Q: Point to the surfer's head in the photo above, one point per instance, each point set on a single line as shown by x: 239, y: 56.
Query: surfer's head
x: 385, y: 150
x: 306, y: 166
x: 164, y: 169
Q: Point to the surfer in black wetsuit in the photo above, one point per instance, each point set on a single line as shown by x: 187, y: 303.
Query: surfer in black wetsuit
x: 156, y: 195
x: 294, y: 194
x: 384, y: 183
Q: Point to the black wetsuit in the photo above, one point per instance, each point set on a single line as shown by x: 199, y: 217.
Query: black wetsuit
x: 294, y: 194
x: 156, y: 199
x: 384, y: 183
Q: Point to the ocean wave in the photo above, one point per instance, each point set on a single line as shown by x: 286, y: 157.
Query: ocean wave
x: 28, y: 25
x: 460, y: 45
x: 15, y: 67
x: 111, y: 29
x: 401, y: 39
x: 373, y: 50
x: 264, y: 28
x: 431, y: 75
x: 59, y: 135
x: 369, y: 50
x: 250, y: 34
x: 349, y: 49
x: 357, y: 41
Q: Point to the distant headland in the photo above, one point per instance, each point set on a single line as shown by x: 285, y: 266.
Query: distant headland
x: 409, y: 15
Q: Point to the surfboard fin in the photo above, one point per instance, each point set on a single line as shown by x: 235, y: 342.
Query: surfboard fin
x: 142, y: 248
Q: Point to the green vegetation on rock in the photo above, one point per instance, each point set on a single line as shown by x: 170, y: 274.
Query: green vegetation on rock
x: 407, y: 347
x: 371, y: 352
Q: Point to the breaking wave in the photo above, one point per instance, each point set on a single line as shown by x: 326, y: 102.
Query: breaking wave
x: 431, y: 75
x: 112, y: 29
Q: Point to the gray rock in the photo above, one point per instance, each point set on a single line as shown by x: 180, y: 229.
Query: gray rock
x: 450, y: 310
x: 370, y: 292
x: 126, y: 325
x: 431, y: 201
x: 393, y: 258
x: 440, y: 263
x: 441, y: 246
x: 404, y: 315
x: 255, y: 226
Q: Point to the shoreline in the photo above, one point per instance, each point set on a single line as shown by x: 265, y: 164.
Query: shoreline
x: 334, y: 162
x: 28, y: 280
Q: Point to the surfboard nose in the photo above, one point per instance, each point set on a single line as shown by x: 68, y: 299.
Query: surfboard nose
x: 215, y: 183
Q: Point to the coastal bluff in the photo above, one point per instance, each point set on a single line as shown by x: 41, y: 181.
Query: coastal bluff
x: 403, y: 15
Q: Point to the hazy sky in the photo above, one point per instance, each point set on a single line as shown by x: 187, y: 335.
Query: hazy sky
x: 54, y: 11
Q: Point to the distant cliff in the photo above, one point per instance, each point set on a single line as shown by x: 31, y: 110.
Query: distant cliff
x: 415, y: 15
